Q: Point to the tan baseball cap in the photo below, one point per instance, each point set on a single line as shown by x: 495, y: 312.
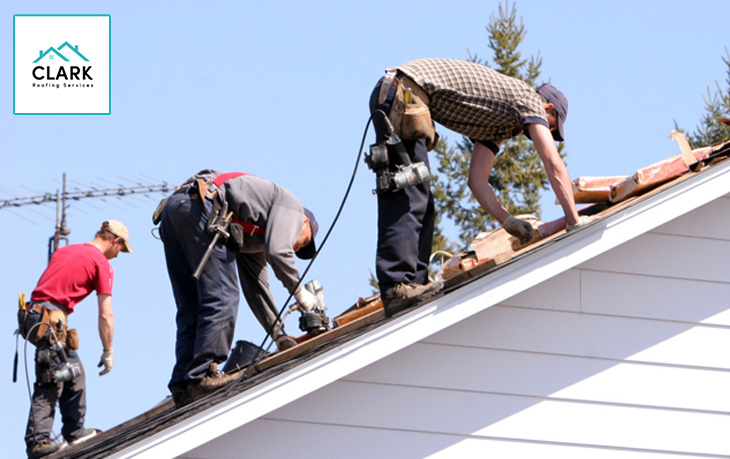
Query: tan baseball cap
x: 118, y: 229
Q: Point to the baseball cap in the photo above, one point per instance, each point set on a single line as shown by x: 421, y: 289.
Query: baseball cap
x: 555, y: 97
x: 118, y: 229
x: 307, y: 252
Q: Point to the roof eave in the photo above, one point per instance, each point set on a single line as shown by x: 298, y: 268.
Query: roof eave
x: 534, y: 267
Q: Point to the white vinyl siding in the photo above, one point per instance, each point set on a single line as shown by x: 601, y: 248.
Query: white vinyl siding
x: 624, y: 356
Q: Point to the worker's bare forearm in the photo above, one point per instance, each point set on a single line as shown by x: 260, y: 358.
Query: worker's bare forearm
x: 480, y: 168
x: 556, y: 170
x: 560, y: 182
x: 106, y: 321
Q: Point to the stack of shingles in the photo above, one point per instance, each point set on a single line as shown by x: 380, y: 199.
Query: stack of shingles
x: 492, y: 248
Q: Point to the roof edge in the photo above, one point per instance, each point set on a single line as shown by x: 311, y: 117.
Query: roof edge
x: 503, y: 282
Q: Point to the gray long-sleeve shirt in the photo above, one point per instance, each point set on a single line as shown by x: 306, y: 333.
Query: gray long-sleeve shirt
x: 270, y: 206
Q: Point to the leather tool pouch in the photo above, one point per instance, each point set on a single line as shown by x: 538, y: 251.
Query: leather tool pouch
x: 410, y: 113
x: 34, y: 324
x: 72, y: 339
x: 57, y: 320
x: 28, y: 320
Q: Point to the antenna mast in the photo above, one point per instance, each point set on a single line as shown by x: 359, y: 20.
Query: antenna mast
x: 62, y: 196
x: 62, y: 231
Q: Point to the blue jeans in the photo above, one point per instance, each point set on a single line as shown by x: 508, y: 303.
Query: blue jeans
x: 207, y: 308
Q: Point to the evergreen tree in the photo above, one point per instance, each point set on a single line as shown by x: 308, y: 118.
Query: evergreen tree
x: 717, y: 105
x: 518, y: 176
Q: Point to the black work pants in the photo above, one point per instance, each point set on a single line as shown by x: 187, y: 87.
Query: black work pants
x: 206, y: 308
x: 405, y: 217
x: 69, y: 395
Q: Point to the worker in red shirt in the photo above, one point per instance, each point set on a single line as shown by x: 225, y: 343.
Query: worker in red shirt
x: 72, y: 274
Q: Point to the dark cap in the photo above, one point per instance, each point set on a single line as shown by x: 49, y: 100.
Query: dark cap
x: 307, y: 252
x: 556, y: 98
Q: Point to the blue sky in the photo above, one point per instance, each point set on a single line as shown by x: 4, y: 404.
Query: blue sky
x: 280, y: 90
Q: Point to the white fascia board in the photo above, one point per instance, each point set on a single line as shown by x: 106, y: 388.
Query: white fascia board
x: 507, y: 281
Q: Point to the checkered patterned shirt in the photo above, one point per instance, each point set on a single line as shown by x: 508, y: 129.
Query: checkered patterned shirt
x: 474, y: 100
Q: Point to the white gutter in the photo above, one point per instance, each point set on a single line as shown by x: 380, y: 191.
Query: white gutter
x: 509, y: 280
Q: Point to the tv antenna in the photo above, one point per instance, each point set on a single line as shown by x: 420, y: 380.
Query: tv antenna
x: 62, y: 196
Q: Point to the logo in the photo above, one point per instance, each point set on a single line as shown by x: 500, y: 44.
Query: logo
x: 62, y: 64
x: 62, y: 73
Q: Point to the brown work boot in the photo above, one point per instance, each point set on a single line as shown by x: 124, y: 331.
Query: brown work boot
x: 215, y: 380
x: 401, y: 296
x: 42, y: 450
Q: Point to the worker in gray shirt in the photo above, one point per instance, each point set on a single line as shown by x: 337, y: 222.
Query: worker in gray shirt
x: 269, y: 226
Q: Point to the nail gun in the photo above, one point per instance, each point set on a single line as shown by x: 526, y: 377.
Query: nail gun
x: 315, y: 321
x: 406, y: 173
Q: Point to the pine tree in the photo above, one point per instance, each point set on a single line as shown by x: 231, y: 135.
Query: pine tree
x: 717, y: 105
x: 518, y: 176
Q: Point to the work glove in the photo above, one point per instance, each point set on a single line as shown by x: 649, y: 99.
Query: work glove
x: 107, y: 361
x: 520, y: 229
x: 582, y: 221
x: 305, y: 299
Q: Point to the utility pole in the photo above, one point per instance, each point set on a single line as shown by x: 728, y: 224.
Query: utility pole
x: 62, y: 196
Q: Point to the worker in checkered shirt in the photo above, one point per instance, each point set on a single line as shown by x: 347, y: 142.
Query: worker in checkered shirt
x: 489, y: 108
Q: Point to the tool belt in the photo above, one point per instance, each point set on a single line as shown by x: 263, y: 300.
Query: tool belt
x: 409, y: 112
x: 206, y: 190
x: 35, y: 322
x: 247, y: 227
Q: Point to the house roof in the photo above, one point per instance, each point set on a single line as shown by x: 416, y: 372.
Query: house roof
x: 75, y: 49
x: 166, y: 432
x: 49, y: 50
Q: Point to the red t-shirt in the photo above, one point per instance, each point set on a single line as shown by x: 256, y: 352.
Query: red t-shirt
x: 73, y: 273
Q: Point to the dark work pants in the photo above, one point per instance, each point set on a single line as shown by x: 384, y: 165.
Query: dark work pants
x: 405, y: 217
x: 70, y: 397
x: 207, y: 308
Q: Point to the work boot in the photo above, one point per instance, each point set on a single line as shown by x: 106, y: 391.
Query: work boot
x: 401, y: 296
x: 42, y: 450
x: 88, y: 433
x: 180, y: 394
x: 215, y: 380
x: 285, y: 342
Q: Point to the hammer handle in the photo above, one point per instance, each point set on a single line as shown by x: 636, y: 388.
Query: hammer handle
x: 209, y: 250
x: 206, y: 256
